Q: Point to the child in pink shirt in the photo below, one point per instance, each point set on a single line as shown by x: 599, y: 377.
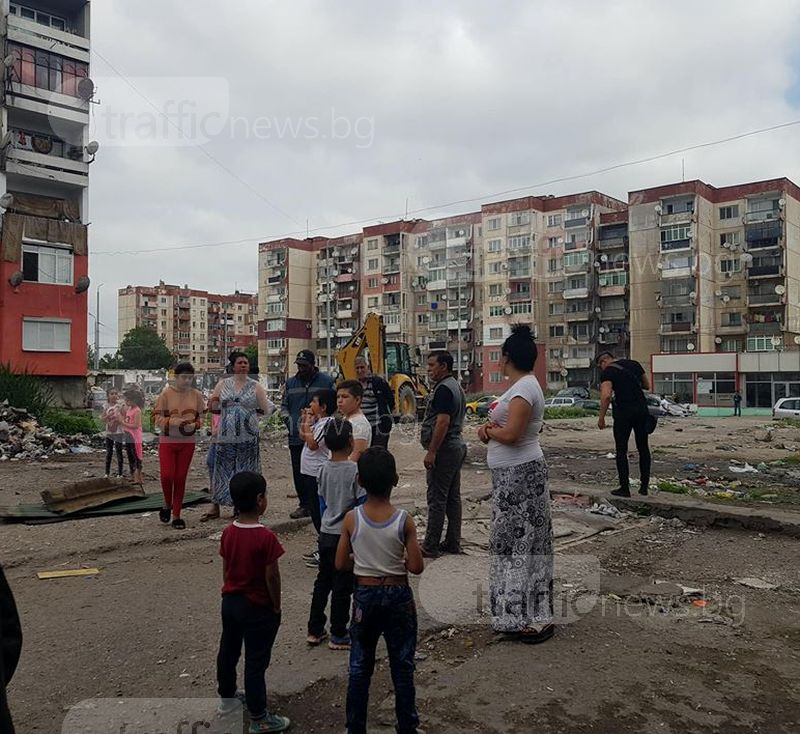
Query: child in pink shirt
x: 132, y: 423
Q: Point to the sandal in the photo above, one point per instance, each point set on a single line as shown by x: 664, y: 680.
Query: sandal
x: 178, y: 524
x: 210, y: 516
x: 534, y: 638
x: 164, y: 514
x: 314, y: 640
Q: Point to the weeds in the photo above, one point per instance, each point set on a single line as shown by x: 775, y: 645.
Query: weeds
x: 24, y: 390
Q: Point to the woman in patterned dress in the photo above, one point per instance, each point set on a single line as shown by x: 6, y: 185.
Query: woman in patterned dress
x: 240, y: 401
x: 521, y: 543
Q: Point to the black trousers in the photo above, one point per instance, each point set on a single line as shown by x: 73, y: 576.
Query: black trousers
x: 114, y: 445
x: 627, y: 420
x: 444, y: 498
x: 296, y: 450
x: 330, y: 582
x: 311, y: 500
x: 380, y: 437
x: 256, y: 627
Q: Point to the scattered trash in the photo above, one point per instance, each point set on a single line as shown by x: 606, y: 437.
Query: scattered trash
x: 691, y: 467
x: 701, y: 603
x: 215, y: 536
x: 602, y: 508
x: 743, y: 469
x: 68, y: 573
x: 611, y: 455
x: 80, y: 450
x: 755, y: 583
x: 764, y: 436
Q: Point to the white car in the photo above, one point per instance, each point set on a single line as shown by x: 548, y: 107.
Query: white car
x: 562, y: 402
x: 786, y: 408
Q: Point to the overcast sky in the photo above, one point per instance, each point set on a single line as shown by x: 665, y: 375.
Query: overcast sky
x: 247, y: 120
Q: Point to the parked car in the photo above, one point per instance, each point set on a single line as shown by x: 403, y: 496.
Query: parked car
x: 574, y: 392
x: 474, y: 406
x: 484, y: 408
x: 654, y: 405
x: 786, y: 408
x: 561, y: 402
x: 590, y: 405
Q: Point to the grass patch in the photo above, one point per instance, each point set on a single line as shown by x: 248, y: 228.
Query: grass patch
x: 789, y: 422
x: 794, y: 460
x: 554, y: 414
x: 672, y: 488
x: 72, y: 422
x: 24, y: 390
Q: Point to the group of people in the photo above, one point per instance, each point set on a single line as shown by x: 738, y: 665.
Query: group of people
x: 122, y: 419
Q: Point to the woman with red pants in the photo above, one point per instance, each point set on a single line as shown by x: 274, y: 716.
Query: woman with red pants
x: 178, y: 413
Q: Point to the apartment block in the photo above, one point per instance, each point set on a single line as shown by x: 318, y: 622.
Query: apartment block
x: 197, y: 326
x: 44, y: 177
x: 715, y: 290
x: 287, y: 297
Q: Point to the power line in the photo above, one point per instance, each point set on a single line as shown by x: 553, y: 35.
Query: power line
x: 484, y: 197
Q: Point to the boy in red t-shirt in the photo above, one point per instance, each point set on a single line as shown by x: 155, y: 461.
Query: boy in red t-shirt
x: 251, y: 603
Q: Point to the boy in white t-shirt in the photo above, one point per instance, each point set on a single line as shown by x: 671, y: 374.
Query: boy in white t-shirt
x: 348, y: 398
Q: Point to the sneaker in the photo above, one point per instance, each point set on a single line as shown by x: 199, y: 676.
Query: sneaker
x: 272, y: 722
x: 427, y: 553
x: 339, y: 643
x: 621, y: 492
x: 313, y: 560
x: 299, y: 513
x: 644, y: 491
x: 230, y: 705
x: 310, y: 554
x: 315, y: 640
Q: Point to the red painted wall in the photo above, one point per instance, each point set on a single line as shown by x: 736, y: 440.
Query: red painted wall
x: 489, y: 366
x: 38, y: 300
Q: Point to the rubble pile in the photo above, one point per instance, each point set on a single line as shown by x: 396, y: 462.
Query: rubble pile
x: 23, y: 437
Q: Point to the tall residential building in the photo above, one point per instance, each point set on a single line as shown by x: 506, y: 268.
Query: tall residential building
x: 44, y: 167
x: 197, y: 326
x: 287, y: 302
x: 715, y: 290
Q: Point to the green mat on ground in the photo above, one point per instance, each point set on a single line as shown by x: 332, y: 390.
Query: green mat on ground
x: 39, y: 513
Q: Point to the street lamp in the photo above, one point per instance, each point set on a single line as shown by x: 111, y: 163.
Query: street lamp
x: 97, y: 331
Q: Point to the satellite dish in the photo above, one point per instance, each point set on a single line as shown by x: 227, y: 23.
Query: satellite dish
x: 725, y: 299
x: 747, y: 257
x: 6, y: 201
x: 354, y: 251
x: 86, y: 89
x: 718, y: 340
x: 83, y: 284
x: 426, y: 260
x: 443, y: 298
x: 690, y: 346
x: 597, y: 309
x: 776, y: 340
x: 725, y: 245
x: 718, y: 294
x: 693, y: 294
x: 603, y: 258
x: 9, y: 60
x: 508, y: 291
x: 597, y: 263
x: 797, y: 340
x: 780, y: 289
x: 657, y: 209
x: 602, y: 329
x: 92, y: 147
x: 781, y: 203
x: 564, y: 373
x: 16, y: 279
x: 384, y: 280
x: 508, y: 311
x: 660, y: 266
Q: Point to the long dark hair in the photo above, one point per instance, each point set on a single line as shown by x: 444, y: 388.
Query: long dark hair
x: 520, y: 348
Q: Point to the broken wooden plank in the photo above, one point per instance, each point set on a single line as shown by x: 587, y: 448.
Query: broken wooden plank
x: 68, y: 573
x: 88, y: 493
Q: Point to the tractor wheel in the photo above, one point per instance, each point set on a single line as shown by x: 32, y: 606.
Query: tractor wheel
x: 407, y: 404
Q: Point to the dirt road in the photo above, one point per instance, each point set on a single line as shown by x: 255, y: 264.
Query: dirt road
x: 633, y: 659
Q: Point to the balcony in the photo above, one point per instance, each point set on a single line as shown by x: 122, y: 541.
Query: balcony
x: 724, y: 329
x: 437, y: 325
x: 344, y: 313
x: 765, y: 299
x: 392, y: 266
x: 765, y: 271
x: 68, y: 42
x: 392, y: 249
x: 519, y: 297
x: 57, y: 162
x: 677, y: 218
x: 614, y: 265
x: 676, y: 327
x: 686, y: 272
x: 275, y: 279
x: 348, y: 332
x: 615, y: 314
x: 765, y: 328
x: 611, y: 337
x: 578, y: 315
x: 577, y: 363
x: 436, y: 285
x: 455, y: 325
x: 519, y: 274
x: 571, y: 293
x: 581, y: 267
x: 392, y: 328
x: 676, y: 245
x: 576, y: 222
x: 456, y: 242
x: 612, y: 243
x: 766, y: 215
x: 612, y: 290
x: 346, y: 277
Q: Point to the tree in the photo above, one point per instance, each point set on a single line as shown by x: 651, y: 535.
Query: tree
x: 90, y: 356
x: 143, y: 349
x: 251, y: 350
x: 111, y: 361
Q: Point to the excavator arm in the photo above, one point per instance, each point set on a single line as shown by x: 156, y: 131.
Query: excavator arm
x: 371, y: 336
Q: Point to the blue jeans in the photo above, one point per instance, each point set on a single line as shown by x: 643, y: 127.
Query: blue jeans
x: 256, y: 627
x: 389, y: 611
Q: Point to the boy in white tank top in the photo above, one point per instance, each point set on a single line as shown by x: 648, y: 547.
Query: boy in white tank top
x: 383, y: 542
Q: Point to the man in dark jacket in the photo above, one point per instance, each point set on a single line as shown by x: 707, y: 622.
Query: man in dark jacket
x: 297, y: 396
x: 10, y: 648
x: 627, y: 380
x: 377, y: 403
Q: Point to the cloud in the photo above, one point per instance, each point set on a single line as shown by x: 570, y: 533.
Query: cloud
x: 455, y: 100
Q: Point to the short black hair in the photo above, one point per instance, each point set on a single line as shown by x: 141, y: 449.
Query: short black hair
x: 184, y: 368
x: 442, y: 356
x: 377, y: 471
x: 233, y: 356
x: 520, y: 348
x: 133, y: 394
x: 246, y: 486
x: 603, y: 355
x: 353, y: 387
x: 326, y: 398
x: 338, y: 434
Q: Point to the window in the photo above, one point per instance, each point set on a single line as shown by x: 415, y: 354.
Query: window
x: 675, y: 237
x: 554, y: 220
x: 372, y: 263
x: 521, y: 308
x: 422, y: 299
x: 763, y: 343
x: 676, y: 263
x: 274, y: 308
x: 518, y: 219
x: 494, y: 267
x: 43, y: 335
x: 552, y: 265
x: 733, y: 318
x: 275, y: 325
x: 577, y: 307
x: 45, y: 70
x: 495, y: 377
x: 571, y: 259
x: 554, y: 377
x: 556, y: 286
x: 577, y: 282
x: 494, y: 356
x: 496, y: 333
x: 615, y: 278
x: 392, y: 318
x: 557, y: 330
x: 552, y: 242
x: 729, y: 212
x: 518, y: 242
x: 163, y: 300
x: 163, y: 324
x: 372, y: 302
x: 579, y: 330
x: 496, y: 310
x: 42, y: 264
x: 494, y: 245
x: 554, y: 354
x: 729, y: 239
x: 493, y: 224
x: 555, y: 309
x: 372, y: 283
x: 730, y: 266
x: 495, y: 289
x: 372, y: 245
x: 422, y: 319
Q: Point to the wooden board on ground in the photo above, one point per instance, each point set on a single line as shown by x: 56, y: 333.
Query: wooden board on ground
x: 78, y: 496
x: 68, y: 573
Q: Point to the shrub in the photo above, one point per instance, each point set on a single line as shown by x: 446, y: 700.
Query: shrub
x: 70, y: 422
x: 24, y: 390
x: 554, y: 414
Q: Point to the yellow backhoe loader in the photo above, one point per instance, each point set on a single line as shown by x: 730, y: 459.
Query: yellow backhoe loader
x: 391, y: 360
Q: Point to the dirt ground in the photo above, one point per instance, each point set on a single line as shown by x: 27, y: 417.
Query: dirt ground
x: 633, y: 657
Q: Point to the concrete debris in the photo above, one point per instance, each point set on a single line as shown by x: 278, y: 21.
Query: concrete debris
x: 743, y: 469
x: 603, y: 508
x: 23, y: 437
x: 764, y: 436
x: 755, y: 583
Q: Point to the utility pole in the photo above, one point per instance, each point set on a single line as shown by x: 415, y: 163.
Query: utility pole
x: 328, y: 320
x: 97, y: 331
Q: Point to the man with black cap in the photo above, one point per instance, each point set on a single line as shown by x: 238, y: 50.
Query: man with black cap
x: 297, y: 396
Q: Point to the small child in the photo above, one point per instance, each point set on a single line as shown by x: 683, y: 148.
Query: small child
x: 348, y: 398
x: 115, y: 436
x: 132, y: 423
x: 339, y: 493
x: 384, y: 547
x: 315, y: 453
x: 251, y: 603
